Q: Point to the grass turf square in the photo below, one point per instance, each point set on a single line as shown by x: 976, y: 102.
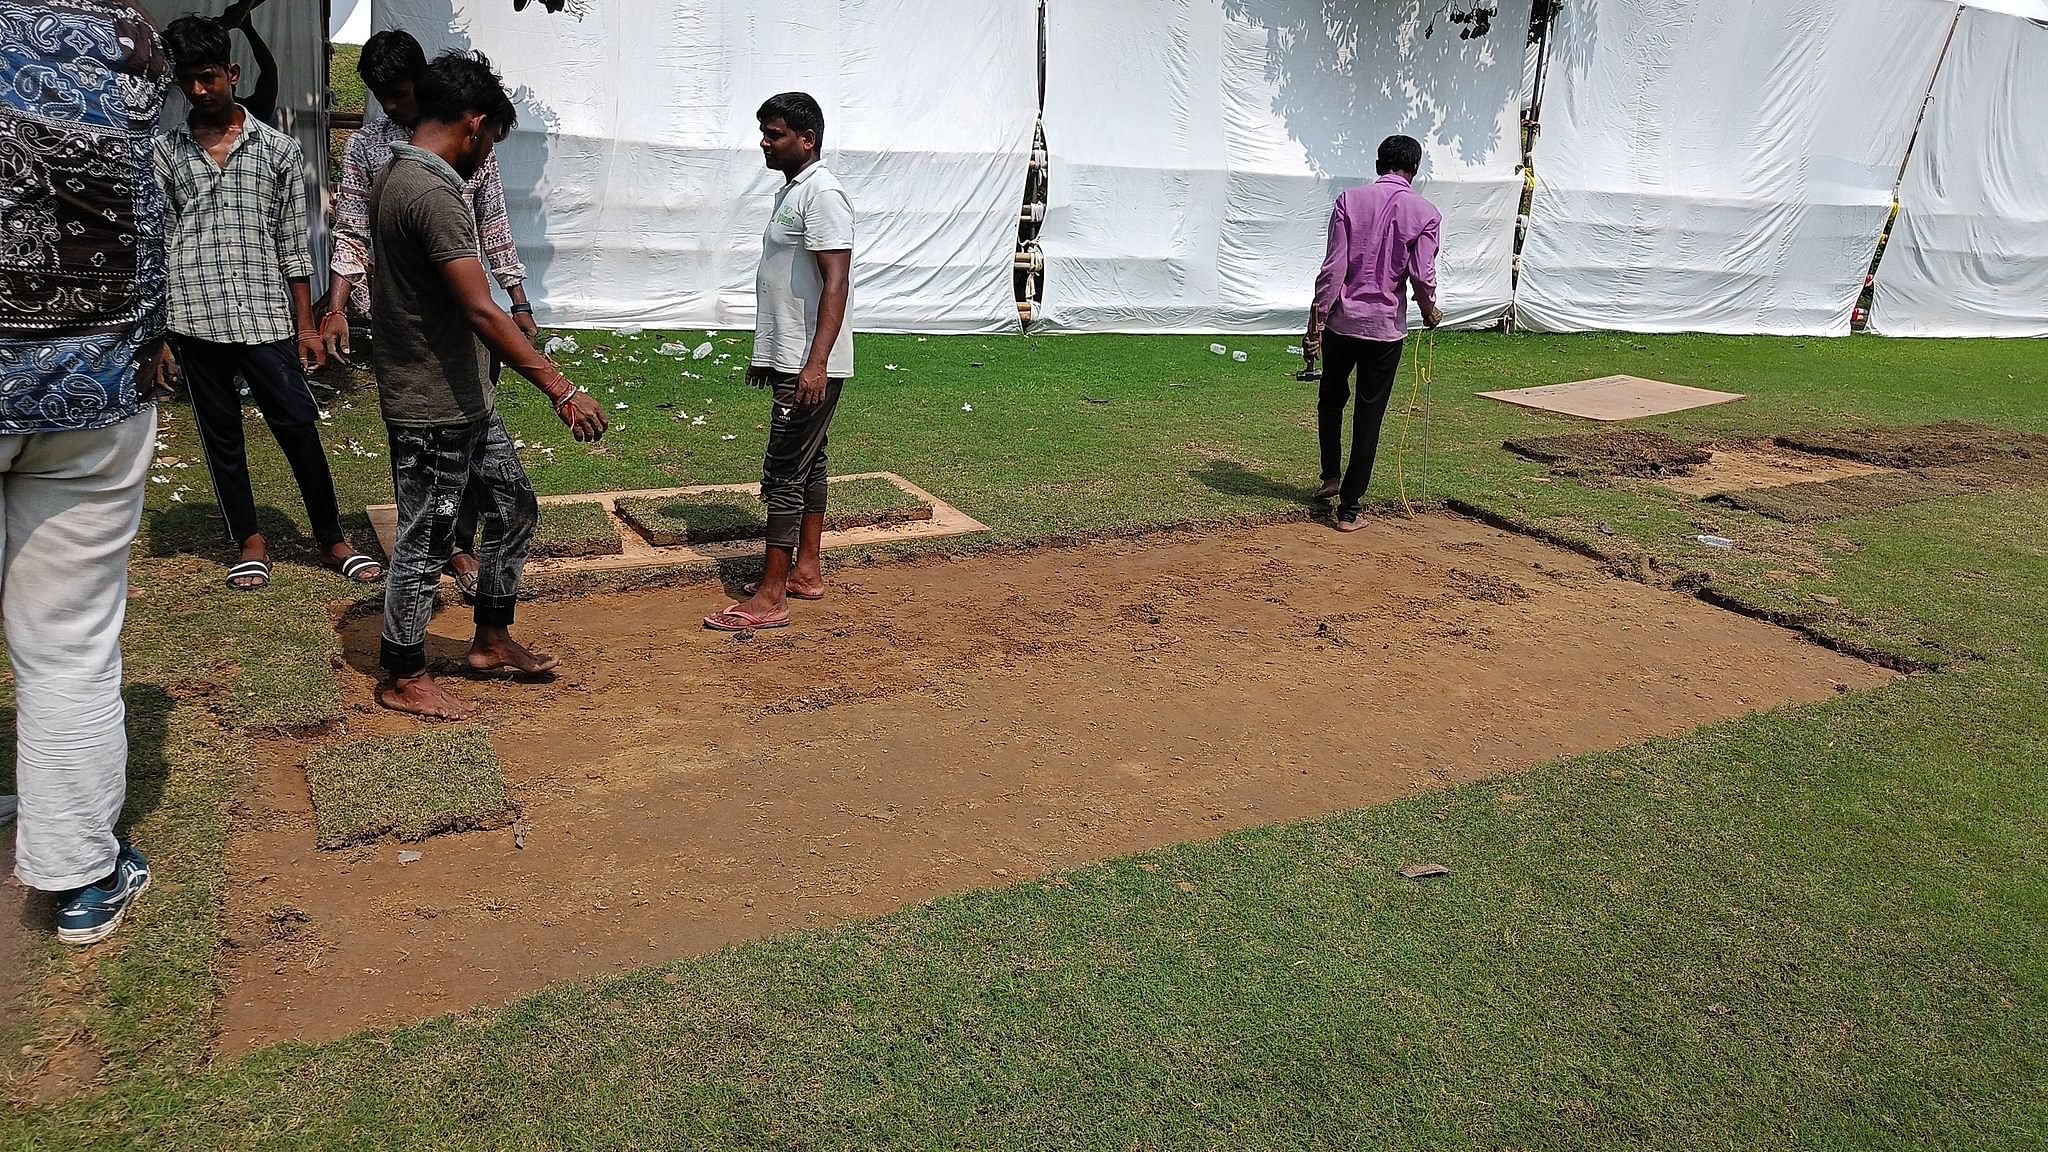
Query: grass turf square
x: 572, y: 530
x: 410, y: 787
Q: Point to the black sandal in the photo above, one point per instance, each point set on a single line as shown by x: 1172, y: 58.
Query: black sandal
x: 257, y: 570
x: 352, y: 567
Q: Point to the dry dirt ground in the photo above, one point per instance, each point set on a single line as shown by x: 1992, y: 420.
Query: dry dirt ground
x: 948, y: 724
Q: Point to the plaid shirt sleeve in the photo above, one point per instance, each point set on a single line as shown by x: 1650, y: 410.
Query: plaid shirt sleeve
x: 352, y: 211
x: 494, y: 226
x: 164, y: 182
x: 294, y: 250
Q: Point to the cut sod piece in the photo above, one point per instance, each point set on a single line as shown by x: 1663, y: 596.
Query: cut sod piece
x: 569, y: 530
x: 410, y: 787
x: 710, y: 517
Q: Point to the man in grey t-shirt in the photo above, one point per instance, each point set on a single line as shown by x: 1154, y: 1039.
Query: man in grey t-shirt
x: 434, y: 305
x: 803, y: 351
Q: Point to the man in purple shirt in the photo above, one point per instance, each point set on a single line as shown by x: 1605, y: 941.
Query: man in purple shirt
x: 1383, y: 237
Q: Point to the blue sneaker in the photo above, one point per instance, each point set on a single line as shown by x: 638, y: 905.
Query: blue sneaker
x: 91, y: 914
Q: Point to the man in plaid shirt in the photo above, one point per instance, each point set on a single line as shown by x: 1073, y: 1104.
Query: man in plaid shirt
x: 241, y: 297
x: 391, y: 66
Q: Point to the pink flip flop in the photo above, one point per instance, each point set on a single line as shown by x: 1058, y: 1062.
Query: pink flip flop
x: 734, y: 619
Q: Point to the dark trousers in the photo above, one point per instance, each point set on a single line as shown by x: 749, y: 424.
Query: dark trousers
x: 1376, y: 362
x: 793, y: 471
x: 431, y: 470
x: 278, y: 385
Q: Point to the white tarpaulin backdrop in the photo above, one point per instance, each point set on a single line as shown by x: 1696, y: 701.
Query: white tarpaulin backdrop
x: 1197, y: 146
x: 635, y: 179
x: 1969, y: 254
x: 1720, y: 165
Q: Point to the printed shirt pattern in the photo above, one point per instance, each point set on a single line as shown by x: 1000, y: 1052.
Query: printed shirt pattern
x: 236, y: 234
x: 369, y: 153
x: 81, y: 222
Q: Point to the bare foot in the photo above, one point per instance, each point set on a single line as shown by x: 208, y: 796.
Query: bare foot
x: 799, y: 587
x: 761, y: 606
x: 1328, y: 491
x: 504, y: 654
x: 422, y: 695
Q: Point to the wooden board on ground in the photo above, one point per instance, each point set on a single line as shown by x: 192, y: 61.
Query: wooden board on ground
x: 1612, y: 398
x: 637, y: 552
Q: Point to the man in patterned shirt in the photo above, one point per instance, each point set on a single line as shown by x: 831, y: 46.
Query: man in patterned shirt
x: 81, y: 322
x: 391, y: 65
x: 241, y: 297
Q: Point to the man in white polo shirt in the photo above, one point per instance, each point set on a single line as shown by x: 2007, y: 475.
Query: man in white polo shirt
x: 803, y: 351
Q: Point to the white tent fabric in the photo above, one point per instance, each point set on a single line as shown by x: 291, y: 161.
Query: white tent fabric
x: 1197, y: 146
x: 1720, y: 165
x: 349, y: 21
x: 1969, y: 254
x: 635, y: 178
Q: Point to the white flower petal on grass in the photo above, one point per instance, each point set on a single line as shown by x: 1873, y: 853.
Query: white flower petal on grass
x: 1293, y: 351
x: 159, y: 479
x: 697, y: 423
x: 728, y: 436
x: 620, y: 406
x: 177, y: 497
x: 888, y: 368
x: 967, y: 407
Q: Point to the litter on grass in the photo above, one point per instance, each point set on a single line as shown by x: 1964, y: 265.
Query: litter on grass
x: 1218, y: 349
x: 558, y: 344
x: 703, y: 350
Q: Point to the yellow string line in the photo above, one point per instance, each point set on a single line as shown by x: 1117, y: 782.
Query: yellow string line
x: 1423, y: 363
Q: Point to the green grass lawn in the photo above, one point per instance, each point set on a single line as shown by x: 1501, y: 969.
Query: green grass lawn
x: 345, y: 88
x: 1822, y: 927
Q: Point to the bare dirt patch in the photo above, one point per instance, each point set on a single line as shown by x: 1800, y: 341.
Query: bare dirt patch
x: 1900, y: 466
x: 1921, y: 446
x: 1631, y: 453
x: 943, y: 725
x: 1748, y: 467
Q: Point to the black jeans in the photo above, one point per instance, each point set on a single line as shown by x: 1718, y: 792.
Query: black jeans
x: 431, y: 470
x: 278, y: 385
x: 793, y: 470
x: 1376, y: 362
x: 472, y: 506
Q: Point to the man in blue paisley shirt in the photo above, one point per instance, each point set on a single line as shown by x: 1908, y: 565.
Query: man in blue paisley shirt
x: 82, y: 298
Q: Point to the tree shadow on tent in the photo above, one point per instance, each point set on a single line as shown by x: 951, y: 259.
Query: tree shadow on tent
x: 1349, y: 73
x: 523, y: 156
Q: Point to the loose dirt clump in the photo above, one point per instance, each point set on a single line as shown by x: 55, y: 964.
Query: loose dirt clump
x: 1632, y: 453
x: 1922, y: 446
